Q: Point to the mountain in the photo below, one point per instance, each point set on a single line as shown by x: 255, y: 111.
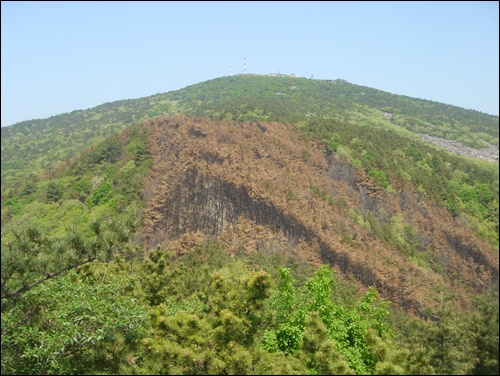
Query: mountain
x: 184, y: 191
x: 373, y: 132
x: 32, y: 147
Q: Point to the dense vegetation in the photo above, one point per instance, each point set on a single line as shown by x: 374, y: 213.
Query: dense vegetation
x: 83, y: 292
x: 293, y: 99
x: 207, y: 313
x: 34, y: 146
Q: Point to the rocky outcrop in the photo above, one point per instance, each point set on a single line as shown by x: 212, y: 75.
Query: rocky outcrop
x: 387, y: 115
x: 489, y: 154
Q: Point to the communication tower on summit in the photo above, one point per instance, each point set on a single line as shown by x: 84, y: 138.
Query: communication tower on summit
x: 244, y: 65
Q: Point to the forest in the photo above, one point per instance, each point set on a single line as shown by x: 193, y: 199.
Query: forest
x: 225, y: 229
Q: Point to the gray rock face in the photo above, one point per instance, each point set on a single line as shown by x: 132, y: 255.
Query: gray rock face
x: 489, y: 154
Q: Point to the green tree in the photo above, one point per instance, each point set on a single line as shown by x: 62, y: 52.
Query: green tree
x: 443, y: 344
x: 55, y: 326
x: 100, y: 195
x: 53, y: 192
x: 318, y: 351
x: 308, y: 325
x: 483, y: 325
x: 29, y: 257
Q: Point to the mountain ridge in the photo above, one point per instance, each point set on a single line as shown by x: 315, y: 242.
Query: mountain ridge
x: 37, y: 145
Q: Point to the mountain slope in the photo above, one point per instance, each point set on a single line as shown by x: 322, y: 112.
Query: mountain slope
x: 261, y: 184
x: 35, y: 146
x: 391, y: 192
x: 270, y: 98
x: 223, y: 192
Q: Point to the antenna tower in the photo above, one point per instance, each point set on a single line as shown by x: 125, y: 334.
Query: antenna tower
x: 244, y: 65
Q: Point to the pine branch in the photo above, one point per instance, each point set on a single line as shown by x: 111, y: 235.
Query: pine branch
x: 25, y: 288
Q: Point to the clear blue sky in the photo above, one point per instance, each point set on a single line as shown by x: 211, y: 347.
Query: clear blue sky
x: 57, y: 57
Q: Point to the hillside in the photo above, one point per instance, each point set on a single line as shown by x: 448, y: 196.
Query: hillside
x: 367, y: 131
x: 32, y: 147
x: 252, y: 225
x: 256, y: 184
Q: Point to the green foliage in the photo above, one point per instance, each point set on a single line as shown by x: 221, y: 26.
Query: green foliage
x: 100, y: 195
x: 209, y: 313
x: 319, y: 353
x: 35, y: 258
x: 483, y: 326
x: 30, y: 257
x: 290, y: 314
x: 53, y: 193
x: 335, y: 142
x: 53, y: 326
x: 379, y: 177
x: 451, y: 342
x: 414, y: 152
x: 216, y: 340
x: 303, y: 314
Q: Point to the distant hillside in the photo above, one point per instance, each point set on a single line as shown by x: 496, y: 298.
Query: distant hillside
x: 272, y: 187
x: 280, y: 98
x: 32, y: 147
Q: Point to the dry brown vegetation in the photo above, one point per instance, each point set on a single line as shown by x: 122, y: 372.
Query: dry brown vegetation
x: 263, y: 186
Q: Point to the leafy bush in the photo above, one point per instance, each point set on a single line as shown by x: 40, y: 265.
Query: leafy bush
x: 52, y: 326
